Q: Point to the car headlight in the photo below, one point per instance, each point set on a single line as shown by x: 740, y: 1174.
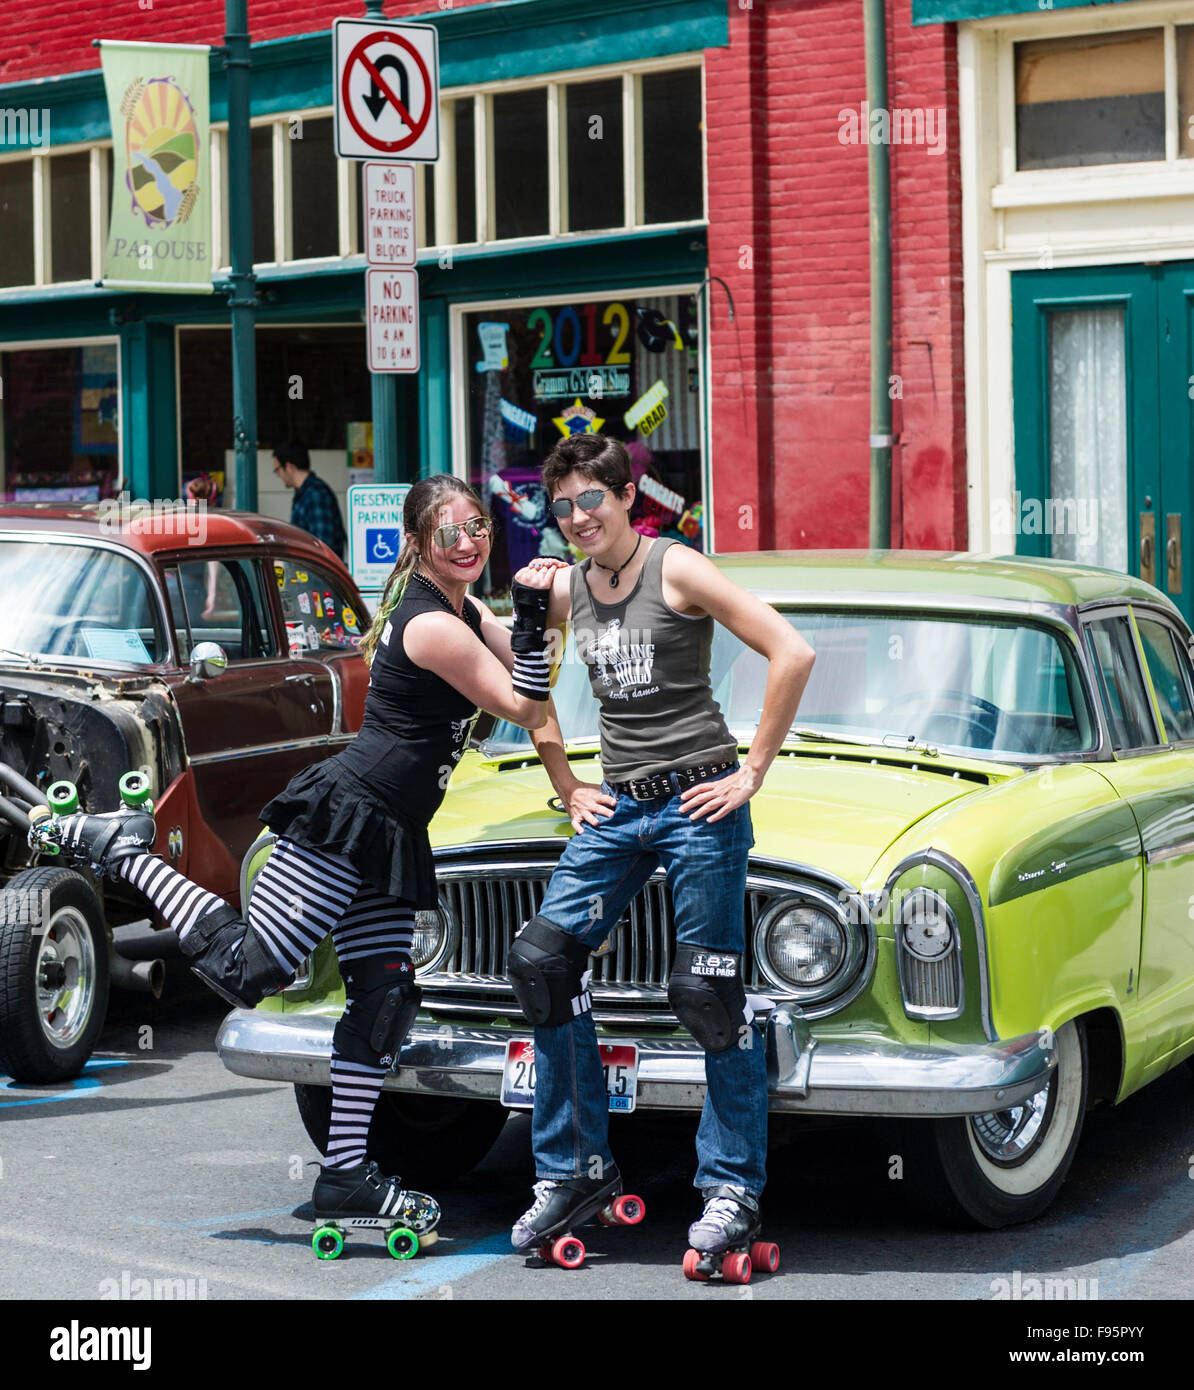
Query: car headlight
x: 803, y: 944
x: 430, y: 937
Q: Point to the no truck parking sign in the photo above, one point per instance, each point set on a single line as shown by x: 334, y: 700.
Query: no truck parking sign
x: 387, y: 90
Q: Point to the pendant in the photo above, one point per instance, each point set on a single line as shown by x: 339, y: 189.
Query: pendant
x: 613, y: 581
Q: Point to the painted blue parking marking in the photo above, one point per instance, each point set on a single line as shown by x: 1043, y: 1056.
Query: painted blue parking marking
x: 443, y: 1269
x: 88, y: 1081
x: 211, y: 1220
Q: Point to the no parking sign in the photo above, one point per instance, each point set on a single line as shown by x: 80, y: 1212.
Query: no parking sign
x: 387, y: 90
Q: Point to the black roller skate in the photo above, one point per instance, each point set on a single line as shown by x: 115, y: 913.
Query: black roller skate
x: 362, y: 1198
x: 546, y: 1226
x: 723, y: 1239
x: 96, y: 842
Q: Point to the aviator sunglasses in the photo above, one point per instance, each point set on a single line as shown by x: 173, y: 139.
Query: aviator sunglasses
x: 587, y: 501
x: 475, y: 527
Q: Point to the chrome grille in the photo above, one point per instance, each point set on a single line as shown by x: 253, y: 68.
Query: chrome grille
x: 931, y: 984
x: 490, y: 891
x: 489, y: 911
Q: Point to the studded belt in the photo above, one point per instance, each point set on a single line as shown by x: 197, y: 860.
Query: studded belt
x: 661, y: 784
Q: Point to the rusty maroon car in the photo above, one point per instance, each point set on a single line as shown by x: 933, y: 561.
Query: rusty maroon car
x: 214, y: 652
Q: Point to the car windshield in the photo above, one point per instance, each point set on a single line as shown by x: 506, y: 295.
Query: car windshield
x: 76, y: 603
x: 996, y: 689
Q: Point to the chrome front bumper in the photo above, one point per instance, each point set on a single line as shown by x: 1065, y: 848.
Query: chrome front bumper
x: 805, y: 1076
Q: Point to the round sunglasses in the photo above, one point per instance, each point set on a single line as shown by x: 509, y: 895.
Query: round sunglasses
x: 587, y: 501
x: 475, y: 527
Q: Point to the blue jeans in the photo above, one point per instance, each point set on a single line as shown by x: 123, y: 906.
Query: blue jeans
x: 601, y: 870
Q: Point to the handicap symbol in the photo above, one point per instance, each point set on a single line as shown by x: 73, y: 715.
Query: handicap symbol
x: 382, y: 545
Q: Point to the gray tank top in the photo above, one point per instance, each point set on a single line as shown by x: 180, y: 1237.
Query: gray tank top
x: 649, y: 668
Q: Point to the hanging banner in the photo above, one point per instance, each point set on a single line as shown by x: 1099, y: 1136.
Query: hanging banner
x: 159, y: 235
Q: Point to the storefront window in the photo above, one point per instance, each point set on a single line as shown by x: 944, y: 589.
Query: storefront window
x: 58, y: 423
x: 596, y: 191
x: 16, y: 217
x: 628, y: 368
x: 520, y: 164
x: 1185, y: 91
x: 673, y: 162
x: 70, y: 221
x: 261, y: 142
x: 1094, y: 99
x: 314, y: 198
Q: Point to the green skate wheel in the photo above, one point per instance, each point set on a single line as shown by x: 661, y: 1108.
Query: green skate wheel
x: 402, y: 1244
x: 134, y: 789
x: 63, y: 798
x: 327, y: 1242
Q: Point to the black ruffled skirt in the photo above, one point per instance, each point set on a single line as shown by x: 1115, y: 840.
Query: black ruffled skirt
x: 327, y: 808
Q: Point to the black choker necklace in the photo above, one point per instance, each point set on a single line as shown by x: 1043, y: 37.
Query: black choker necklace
x: 435, y: 589
x: 613, y: 577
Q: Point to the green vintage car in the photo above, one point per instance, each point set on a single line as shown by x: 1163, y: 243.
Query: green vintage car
x: 970, y: 897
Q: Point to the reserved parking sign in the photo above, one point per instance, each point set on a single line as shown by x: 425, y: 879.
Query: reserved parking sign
x: 374, y: 534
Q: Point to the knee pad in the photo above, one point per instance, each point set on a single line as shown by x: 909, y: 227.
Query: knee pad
x: 382, y: 1001
x: 706, y: 991
x: 547, y: 968
x: 231, y: 958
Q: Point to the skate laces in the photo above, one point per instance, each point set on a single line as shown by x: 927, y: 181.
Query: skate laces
x: 543, y: 1190
x: 720, y: 1212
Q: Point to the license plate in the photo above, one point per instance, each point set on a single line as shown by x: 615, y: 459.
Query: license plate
x: 620, y: 1061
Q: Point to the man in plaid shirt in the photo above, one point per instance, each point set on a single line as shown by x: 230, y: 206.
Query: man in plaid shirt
x: 314, y: 507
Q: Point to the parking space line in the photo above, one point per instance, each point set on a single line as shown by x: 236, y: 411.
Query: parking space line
x: 443, y: 1270
x: 83, y: 1082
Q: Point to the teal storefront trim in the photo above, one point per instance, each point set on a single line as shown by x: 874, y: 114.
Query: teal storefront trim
x: 478, y: 43
x: 949, y: 11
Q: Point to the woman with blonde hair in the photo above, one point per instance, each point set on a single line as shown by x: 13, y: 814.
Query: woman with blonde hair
x: 353, y: 855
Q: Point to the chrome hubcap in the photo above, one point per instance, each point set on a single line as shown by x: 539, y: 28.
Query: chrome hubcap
x: 65, y: 977
x: 1006, y: 1136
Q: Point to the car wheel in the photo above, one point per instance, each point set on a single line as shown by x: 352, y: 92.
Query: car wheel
x: 54, y: 974
x: 1005, y: 1167
x: 425, y: 1140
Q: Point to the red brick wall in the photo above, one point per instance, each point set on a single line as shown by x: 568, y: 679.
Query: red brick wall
x: 44, y: 37
x: 791, y: 375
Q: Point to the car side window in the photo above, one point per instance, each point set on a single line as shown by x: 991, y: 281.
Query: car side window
x: 1168, y: 666
x: 220, y: 601
x: 1121, y: 684
x: 319, y: 615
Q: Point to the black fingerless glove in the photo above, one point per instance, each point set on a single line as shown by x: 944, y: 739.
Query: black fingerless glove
x: 529, y: 642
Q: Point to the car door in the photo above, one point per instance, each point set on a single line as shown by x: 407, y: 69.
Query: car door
x: 249, y: 730
x: 324, y: 623
x: 1149, y: 701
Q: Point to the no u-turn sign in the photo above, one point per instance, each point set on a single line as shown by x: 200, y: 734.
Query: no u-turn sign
x: 387, y: 90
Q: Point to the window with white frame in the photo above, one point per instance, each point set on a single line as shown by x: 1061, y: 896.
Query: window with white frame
x: 598, y: 151
x: 51, y: 207
x: 1121, y: 95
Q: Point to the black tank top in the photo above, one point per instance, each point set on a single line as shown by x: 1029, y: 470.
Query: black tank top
x: 416, y: 726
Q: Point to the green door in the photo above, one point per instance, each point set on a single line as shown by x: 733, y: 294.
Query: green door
x: 1103, y: 375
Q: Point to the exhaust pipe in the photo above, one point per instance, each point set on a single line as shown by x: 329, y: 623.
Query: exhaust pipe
x: 141, y: 976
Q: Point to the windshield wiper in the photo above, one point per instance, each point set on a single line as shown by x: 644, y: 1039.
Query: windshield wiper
x: 906, y: 742
x: 30, y: 657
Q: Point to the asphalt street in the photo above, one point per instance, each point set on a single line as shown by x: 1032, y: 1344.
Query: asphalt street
x: 159, y: 1165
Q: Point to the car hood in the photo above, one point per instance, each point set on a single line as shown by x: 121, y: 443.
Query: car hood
x: 836, y: 811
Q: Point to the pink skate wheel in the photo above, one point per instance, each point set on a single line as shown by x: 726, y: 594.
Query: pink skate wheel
x: 568, y: 1252
x: 691, y: 1259
x: 765, y: 1256
x: 736, y: 1269
x: 628, y: 1210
